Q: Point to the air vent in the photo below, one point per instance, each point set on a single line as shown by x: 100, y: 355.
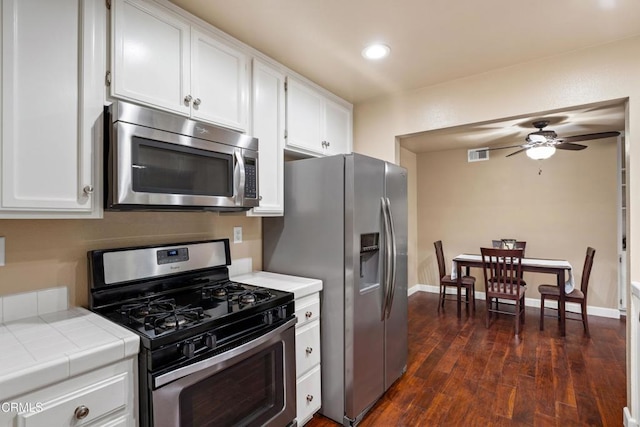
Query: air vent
x: 478, y: 155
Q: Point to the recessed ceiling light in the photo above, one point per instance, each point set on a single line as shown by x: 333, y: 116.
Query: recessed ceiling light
x: 376, y: 51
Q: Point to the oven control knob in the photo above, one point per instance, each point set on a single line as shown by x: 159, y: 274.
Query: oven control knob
x: 188, y: 349
x: 268, y: 317
x: 209, y: 340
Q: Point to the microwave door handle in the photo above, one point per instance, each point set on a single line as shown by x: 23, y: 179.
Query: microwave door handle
x: 239, y: 171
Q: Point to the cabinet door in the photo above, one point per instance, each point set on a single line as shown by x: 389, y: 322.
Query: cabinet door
x: 48, y: 118
x: 304, y: 117
x: 219, y: 82
x: 337, y: 132
x: 268, y: 127
x: 150, y: 55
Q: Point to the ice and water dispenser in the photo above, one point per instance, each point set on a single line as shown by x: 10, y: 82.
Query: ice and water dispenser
x: 369, y: 261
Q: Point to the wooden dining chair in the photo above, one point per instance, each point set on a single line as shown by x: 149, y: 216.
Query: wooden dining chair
x: 501, y: 269
x: 577, y: 296
x: 519, y: 244
x: 467, y: 282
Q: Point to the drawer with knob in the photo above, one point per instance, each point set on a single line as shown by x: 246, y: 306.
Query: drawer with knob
x: 307, y: 309
x: 307, y: 347
x: 309, y: 397
x: 78, y: 407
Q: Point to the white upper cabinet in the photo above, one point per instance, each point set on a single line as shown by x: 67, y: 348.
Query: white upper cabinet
x: 316, y: 124
x: 151, y: 58
x: 268, y: 127
x: 218, y: 82
x: 338, y: 129
x: 161, y: 60
x: 53, y: 64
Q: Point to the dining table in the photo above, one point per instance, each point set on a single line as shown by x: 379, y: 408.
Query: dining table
x: 560, y: 268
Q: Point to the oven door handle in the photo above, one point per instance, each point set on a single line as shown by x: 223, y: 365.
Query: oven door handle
x: 244, y: 349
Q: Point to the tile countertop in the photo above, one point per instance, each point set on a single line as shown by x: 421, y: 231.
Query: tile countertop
x: 46, y: 348
x: 300, y: 286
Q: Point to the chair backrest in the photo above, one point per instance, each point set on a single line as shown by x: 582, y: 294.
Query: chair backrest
x: 499, y: 244
x: 586, y: 270
x: 440, y: 256
x: 502, y: 270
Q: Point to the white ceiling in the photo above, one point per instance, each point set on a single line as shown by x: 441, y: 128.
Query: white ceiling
x: 432, y: 41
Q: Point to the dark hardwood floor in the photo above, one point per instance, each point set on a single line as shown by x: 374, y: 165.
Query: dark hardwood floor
x: 461, y: 374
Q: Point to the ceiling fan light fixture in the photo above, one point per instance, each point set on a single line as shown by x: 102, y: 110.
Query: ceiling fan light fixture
x: 541, y: 152
x: 376, y: 51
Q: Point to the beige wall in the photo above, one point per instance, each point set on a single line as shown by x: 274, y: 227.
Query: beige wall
x: 409, y: 161
x: 46, y: 253
x: 569, y: 205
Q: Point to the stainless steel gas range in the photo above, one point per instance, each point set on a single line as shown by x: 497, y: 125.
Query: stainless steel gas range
x: 213, y: 352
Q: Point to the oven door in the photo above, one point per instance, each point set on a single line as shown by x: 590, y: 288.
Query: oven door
x: 250, y: 385
x: 156, y: 169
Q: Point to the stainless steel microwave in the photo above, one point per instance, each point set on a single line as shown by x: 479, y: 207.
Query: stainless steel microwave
x: 161, y: 161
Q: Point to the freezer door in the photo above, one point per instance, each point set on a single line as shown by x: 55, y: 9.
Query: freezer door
x: 364, y: 290
x: 395, y: 334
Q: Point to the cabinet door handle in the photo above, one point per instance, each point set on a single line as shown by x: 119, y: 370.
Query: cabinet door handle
x: 309, y: 350
x: 81, y: 412
x: 187, y: 99
x: 197, y: 101
x: 87, y: 190
x: 309, y: 398
x: 324, y: 144
x: 308, y: 314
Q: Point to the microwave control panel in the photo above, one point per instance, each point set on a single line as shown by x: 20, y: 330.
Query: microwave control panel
x: 251, y: 179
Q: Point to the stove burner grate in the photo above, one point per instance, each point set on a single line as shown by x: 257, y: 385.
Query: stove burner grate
x: 174, y: 319
x: 148, y: 307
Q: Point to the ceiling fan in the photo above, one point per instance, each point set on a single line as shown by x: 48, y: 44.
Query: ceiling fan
x: 542, y: 144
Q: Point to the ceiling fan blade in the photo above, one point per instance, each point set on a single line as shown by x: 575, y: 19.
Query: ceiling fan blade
x: 570, y: 146
x: 517, y: 152
x: 587, y: 137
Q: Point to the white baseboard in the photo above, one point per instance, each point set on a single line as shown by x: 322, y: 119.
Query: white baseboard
x: 629, y: 421
x: 529, y: 302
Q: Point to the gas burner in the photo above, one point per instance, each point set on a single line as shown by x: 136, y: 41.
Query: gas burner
x: 145, y: 308
x: 254, y: 296
x: 247, y: 298
x: 222, y: 290
x: 174, y: 319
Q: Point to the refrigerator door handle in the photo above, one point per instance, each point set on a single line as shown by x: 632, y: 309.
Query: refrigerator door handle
x: 386, y: 266
x: 393, y: 260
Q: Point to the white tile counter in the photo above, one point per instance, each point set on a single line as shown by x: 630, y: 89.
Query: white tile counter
x: 54, y: 343
x: 300, y: 286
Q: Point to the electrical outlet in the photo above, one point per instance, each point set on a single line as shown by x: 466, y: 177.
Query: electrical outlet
x: 237, y: 234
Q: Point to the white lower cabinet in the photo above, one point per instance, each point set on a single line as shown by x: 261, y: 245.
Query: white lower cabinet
x: 103, y: 397
x: 308, y: 391
x: 307, y: 357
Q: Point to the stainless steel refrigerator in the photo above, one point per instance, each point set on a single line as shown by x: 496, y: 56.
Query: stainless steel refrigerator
x: 345, y: 222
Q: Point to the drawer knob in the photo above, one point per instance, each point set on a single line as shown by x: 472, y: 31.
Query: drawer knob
x: 309, y: 350
x: 309, y: 398
x: 81, y: 412
x: 308, y: 314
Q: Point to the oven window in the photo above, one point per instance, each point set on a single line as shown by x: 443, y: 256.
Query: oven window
x: 248, y: 393
x: 159, y: 167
